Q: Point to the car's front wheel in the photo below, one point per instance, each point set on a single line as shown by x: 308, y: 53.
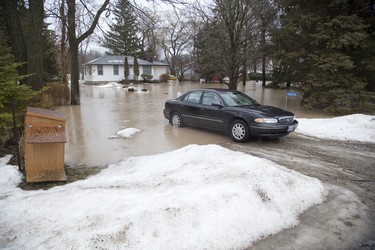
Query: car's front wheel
x: 176, y: 120
x: 239, y: 131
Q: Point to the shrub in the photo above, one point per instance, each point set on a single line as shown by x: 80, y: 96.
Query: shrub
x: 53, y: 94
x: 146, y: 77
x: 259, y: 77
x: 164, y: 78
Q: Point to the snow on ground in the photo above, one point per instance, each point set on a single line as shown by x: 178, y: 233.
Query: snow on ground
x: 196, y: 197
x: 111, y: 85
x: 125, y: 133
x: 355, y: 127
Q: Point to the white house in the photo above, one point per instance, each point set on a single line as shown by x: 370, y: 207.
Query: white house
x: 111, y: 69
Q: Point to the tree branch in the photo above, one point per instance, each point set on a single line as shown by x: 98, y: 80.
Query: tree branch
x: 94, y: 22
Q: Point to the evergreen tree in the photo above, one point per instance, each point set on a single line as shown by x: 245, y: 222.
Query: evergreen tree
x: 209, y: 53
x: 126, y: 69
x: 317, y: 45
x: 51, y: 67
x: 13, y: 96
x: 136, y: 68
x: 122, y: 38
x: 21, y: 28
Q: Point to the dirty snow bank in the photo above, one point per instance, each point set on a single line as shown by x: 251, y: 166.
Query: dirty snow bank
x: 355, y: 127
x: 196, y: 197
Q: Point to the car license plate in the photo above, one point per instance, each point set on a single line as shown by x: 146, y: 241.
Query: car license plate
x: 291, y: 128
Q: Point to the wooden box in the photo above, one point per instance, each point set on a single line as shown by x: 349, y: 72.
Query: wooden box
x: 45, y: 140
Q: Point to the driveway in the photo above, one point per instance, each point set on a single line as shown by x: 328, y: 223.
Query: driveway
x: 346, y: 220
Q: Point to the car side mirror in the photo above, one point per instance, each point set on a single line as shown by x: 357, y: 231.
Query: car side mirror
x: 217, y: 104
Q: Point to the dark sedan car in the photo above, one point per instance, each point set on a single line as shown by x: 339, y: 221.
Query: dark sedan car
x: 229, y: 111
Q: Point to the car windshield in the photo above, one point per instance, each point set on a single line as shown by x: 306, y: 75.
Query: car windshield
x: 237, y: 99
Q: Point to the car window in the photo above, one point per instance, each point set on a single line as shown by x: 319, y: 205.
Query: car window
x: 209, y: 98
x: 193, y: 97
x: 237, y: 99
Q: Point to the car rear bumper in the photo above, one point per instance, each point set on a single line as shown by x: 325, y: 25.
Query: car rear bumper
x: 273, y: 130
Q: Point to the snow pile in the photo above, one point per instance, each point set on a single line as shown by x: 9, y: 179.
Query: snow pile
x: 355, y: 127
x: 197, y: 197
x: 111, y: 85
x: 9, y: 176
x: 125, y: 133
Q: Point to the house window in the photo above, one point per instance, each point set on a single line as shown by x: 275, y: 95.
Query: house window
x: 147, y: 69
x: 100, y: 70
x: 115, y: 70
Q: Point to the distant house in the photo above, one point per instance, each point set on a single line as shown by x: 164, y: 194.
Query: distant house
x: 111, y: 69
x: 190, y: 71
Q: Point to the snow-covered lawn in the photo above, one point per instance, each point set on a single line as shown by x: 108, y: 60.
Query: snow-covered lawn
x: 196, y: 197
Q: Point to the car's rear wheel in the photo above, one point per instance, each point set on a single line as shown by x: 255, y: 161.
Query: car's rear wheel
x: 176, y: 120
x: 239, y: 131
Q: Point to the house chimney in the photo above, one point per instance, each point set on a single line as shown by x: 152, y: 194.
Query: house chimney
x: 150, y: 57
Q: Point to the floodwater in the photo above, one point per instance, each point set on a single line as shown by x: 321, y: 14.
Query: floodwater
x: 104, y: 111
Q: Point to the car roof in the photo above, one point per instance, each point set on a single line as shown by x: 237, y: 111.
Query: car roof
x: 215, y: 90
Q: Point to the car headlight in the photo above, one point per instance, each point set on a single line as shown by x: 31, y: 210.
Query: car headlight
x: 266, y: 120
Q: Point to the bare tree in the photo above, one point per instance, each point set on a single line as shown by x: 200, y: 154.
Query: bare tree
x: 149, y: 23
x: 177, y: 41
x: 75, y: 40
x: 231, y: 26
x: 234, y: 17
x: 266, y: 18
x: 79, y: 21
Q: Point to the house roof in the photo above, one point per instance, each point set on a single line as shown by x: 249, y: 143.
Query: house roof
x: 119, y: 60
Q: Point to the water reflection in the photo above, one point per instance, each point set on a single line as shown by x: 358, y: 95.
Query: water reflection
x: 104, y: 111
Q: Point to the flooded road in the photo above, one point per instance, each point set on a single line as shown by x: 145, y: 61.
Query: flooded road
x: 346, y: 220
x: 104, y: 111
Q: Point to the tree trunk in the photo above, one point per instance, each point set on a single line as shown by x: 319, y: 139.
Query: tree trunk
x: 15, y: 33
x: 74, y: 42
x: 15, y: 134
x: 263, y: 55
x: 232, y: 86
x: 255, y: 66
x: 63, y: 55
x: 233, y: 78
x: 244, y: 73
x: 244, y: 65
x: 35, y: 44
x: 263, y: 71
x: 74, y: 73
x: 73, y: 53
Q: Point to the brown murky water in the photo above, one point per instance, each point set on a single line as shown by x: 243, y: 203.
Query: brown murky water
x: 104, y: 111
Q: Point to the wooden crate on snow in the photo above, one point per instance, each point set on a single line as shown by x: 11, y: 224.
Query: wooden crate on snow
x: 45, y: 140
